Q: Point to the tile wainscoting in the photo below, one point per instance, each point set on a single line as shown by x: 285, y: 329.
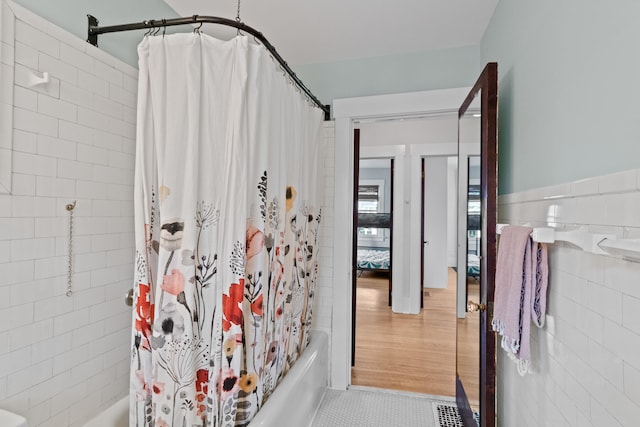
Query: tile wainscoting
x: 586, y: 359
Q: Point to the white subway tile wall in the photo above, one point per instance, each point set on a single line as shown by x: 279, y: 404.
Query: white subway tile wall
x: 62, y: 360
x: 586, y: 360
x: 324, y: 293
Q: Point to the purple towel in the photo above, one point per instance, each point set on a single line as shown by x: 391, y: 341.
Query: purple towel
x: 520, y: 291
x: 510, y: 285
x: 539, y: 297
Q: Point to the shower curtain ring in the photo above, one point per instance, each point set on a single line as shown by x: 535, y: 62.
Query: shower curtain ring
x: 158, y: 28
x: 148, y: 24
x: 238, y: 19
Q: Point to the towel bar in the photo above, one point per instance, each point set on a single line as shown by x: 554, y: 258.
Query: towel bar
x: 628, y: 248
x: 596, y: 243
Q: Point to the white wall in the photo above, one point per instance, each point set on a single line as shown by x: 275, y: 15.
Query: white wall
x: 64, y: 359
x: 587, y: 358
x: 452, y: 208
x: 436, y: 221
x: 436, y: 129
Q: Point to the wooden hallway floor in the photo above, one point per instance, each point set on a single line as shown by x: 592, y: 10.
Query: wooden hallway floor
x: 406, y: 352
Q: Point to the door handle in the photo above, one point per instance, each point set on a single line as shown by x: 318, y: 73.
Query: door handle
x: 474, y: 306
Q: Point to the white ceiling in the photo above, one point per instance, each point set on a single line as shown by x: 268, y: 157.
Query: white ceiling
x: 316, y: 31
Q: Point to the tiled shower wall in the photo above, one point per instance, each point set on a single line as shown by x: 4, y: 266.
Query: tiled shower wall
x: 586, y: 359
x: 63, y: 359
x: 324, y: 293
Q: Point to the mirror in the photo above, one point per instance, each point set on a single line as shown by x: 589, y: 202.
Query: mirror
x: 477, y: 196
x: 469, y: 245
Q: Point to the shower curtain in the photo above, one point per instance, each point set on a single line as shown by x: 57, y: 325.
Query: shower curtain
x: 226, y: 225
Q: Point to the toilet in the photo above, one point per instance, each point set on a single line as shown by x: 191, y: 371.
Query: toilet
x: 9, y: 419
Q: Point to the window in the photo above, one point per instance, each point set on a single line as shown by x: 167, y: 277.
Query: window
x: 368, y: 198
x: 371, y: 200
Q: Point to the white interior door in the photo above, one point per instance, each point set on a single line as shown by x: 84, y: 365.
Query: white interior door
x: 435, y: 222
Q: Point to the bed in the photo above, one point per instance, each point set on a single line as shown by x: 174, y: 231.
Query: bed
x: 473, y: 266
x: 369, y: 258
x: 373, y: 258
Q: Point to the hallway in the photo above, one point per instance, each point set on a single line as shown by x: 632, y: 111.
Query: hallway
x: 413, y: 353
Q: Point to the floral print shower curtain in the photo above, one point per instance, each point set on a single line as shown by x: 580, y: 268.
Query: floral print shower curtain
x: 226, y: 226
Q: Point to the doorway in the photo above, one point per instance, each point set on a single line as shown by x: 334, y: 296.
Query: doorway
x: 439, y: 219
x: 373, y: 219
x: 372, y: 236
x: 347, y: 112
x: 395, y: 349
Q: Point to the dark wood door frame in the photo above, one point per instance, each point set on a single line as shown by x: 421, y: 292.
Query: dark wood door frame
x: 391, y: 171
x: 422, y: 241
x: 354, y: 255
x: 487, y: 86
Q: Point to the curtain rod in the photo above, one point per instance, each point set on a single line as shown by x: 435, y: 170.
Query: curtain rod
x: 94, y: 30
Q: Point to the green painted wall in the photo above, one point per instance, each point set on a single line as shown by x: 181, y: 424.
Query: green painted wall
x: 569, y: 89
x: 427, y: 70
x: 72, y: 16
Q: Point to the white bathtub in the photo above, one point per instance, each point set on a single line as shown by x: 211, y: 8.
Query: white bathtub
x: 116, y: 415
x: 294, y: 402
x: 297, y: 398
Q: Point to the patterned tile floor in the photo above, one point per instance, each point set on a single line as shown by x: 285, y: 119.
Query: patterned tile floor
x: 361, y: 407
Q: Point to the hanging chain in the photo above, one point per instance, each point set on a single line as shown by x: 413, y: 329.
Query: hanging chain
x: 70, y: 208
x: 238, y: 17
